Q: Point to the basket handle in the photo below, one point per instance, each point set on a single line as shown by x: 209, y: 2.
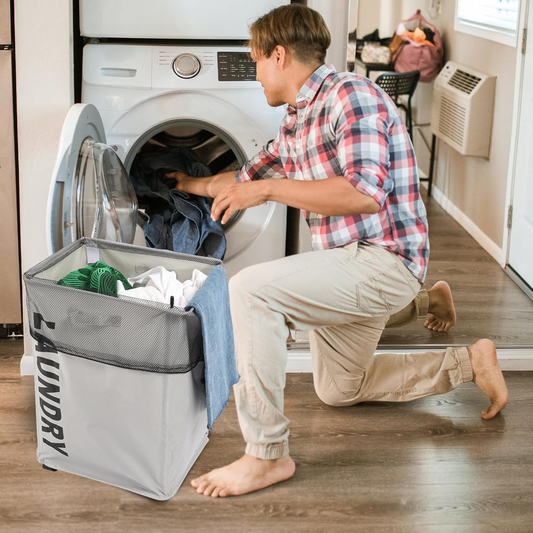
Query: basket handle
x: 81, y: 318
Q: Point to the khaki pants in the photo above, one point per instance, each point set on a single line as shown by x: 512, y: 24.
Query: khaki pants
x: 345, y: 297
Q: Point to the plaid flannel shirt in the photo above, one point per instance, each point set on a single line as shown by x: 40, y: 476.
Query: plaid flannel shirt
x: 345, y: 125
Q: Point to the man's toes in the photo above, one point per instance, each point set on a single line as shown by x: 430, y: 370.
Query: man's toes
x: 195, y: 482
x: 202, y: 486
x: 216, y: 492
x: 209, y: 490
x: 432, y: 324
x: 491, y: 411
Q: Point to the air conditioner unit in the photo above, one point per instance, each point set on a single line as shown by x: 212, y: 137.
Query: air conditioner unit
x: 463, y: 106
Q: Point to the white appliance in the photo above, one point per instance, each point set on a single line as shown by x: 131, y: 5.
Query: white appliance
x: 172, y: 19
x: 463, y: 107
x: 141, y: 92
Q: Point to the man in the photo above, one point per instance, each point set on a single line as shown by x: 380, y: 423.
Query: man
x: 352, y: 170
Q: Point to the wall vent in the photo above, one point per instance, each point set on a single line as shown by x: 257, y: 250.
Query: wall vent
x: 463, y: 106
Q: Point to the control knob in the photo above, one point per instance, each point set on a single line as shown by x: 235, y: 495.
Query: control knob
x: 186, y: 66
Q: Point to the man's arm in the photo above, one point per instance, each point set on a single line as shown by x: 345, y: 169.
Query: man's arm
x: 330, y: 197
x: 208, y: 187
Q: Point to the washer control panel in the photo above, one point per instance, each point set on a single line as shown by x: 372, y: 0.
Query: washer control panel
x: 235, y: 66
x: 186, y: 66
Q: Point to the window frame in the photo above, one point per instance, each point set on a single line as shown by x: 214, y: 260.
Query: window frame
x: 492, y: 34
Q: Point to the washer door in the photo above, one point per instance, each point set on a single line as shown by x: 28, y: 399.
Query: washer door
x: 91, y: 194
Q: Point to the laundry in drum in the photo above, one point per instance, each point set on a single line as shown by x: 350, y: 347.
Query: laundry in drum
x: 95, y: 277
x: 177, y: 221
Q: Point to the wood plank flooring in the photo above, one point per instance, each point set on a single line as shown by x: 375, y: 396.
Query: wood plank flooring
x: 428, y: 466
x: 431, y: 465
x: 488, y: 303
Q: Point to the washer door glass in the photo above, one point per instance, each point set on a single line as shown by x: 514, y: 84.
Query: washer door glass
x: 106, y: 205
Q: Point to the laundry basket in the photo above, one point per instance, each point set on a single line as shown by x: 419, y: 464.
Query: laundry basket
x: 119, y: 382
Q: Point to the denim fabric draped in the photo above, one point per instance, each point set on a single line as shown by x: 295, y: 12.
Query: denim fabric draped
x: 211, y: 303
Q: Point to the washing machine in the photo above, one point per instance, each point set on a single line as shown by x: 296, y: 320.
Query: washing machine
x: 141, y: 94
x: 203, y: 96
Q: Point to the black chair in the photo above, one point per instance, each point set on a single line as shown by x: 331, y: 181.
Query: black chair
x: 398, y: 84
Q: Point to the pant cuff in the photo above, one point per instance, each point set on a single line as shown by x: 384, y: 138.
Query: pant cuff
x: 423, y: 303
x: 268, y: 451
x: 464, y: 364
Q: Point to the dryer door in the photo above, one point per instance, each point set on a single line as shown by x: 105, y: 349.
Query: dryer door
x: 91, y: 194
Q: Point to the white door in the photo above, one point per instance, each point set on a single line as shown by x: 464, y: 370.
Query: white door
x: 521, y: 249
x: 91, y: 194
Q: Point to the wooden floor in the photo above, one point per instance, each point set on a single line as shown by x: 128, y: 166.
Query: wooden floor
x: 488, y: 303
x: 428, y: 466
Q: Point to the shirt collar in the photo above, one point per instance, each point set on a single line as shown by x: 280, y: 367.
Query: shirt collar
x: 311, y: 87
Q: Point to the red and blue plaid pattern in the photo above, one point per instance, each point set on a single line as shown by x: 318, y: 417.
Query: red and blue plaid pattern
x: 345, y: 125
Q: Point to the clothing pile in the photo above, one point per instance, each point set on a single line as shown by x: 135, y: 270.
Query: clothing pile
x: 160, y: 285
x: 177, y: 221
x: 157, y: 284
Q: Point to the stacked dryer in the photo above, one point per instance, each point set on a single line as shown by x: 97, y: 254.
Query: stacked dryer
x: 172, y: 73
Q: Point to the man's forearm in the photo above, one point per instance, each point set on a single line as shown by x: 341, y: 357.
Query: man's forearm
x: 329, y: 197
x: 209, y: 186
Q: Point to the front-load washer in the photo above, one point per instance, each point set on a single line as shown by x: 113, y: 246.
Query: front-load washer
x: 204, y: 97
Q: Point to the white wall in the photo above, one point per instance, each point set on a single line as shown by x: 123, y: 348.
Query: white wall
x: 475, y: 186
x: 44, y: 80
x: 368, y: 17
x: 336, y: 16
x: 354, y: 9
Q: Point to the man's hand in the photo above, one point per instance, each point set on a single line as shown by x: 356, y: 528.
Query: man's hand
x: 180, y: 178
x: 236, y: 197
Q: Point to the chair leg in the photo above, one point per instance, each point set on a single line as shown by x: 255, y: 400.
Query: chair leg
x: 432, y: 164
x: 410, y: 120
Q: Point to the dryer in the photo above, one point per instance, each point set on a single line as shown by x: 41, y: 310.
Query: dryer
x: 204, y: 96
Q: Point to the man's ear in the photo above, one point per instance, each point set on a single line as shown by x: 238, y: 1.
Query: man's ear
x: 281, y: 56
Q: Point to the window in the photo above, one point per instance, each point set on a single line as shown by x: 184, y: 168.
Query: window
x: 496, y: 20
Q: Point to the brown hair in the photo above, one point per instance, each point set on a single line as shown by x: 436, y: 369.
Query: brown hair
x: 297, y: 28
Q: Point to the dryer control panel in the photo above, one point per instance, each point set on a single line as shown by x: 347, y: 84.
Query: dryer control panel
x: 235, y: 66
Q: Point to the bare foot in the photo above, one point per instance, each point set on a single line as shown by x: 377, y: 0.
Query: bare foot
x: 441, y: 307
x: 244, y: 475
x: 488, y: 376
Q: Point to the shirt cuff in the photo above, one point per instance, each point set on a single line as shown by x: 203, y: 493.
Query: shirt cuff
x: 377, y: 194
x: 241, y: 175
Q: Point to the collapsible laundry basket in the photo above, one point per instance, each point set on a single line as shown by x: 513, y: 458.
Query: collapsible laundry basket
x: 119, y: 382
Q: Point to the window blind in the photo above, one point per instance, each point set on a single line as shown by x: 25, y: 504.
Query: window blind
x: 496, y: 15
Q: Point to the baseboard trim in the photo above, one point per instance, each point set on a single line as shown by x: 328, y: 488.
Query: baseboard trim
x: 510, y: 359
x: 517, y: 359
x: 26, y: 365
x: 484, y: 241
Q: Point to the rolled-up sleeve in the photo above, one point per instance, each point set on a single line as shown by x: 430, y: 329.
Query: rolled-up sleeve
x: 361, y: 131
x: 265, y: 164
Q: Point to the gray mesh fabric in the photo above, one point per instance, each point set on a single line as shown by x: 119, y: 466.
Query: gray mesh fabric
x: 124, y: 332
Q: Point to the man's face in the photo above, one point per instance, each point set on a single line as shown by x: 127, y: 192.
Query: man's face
x: 270, y: 75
